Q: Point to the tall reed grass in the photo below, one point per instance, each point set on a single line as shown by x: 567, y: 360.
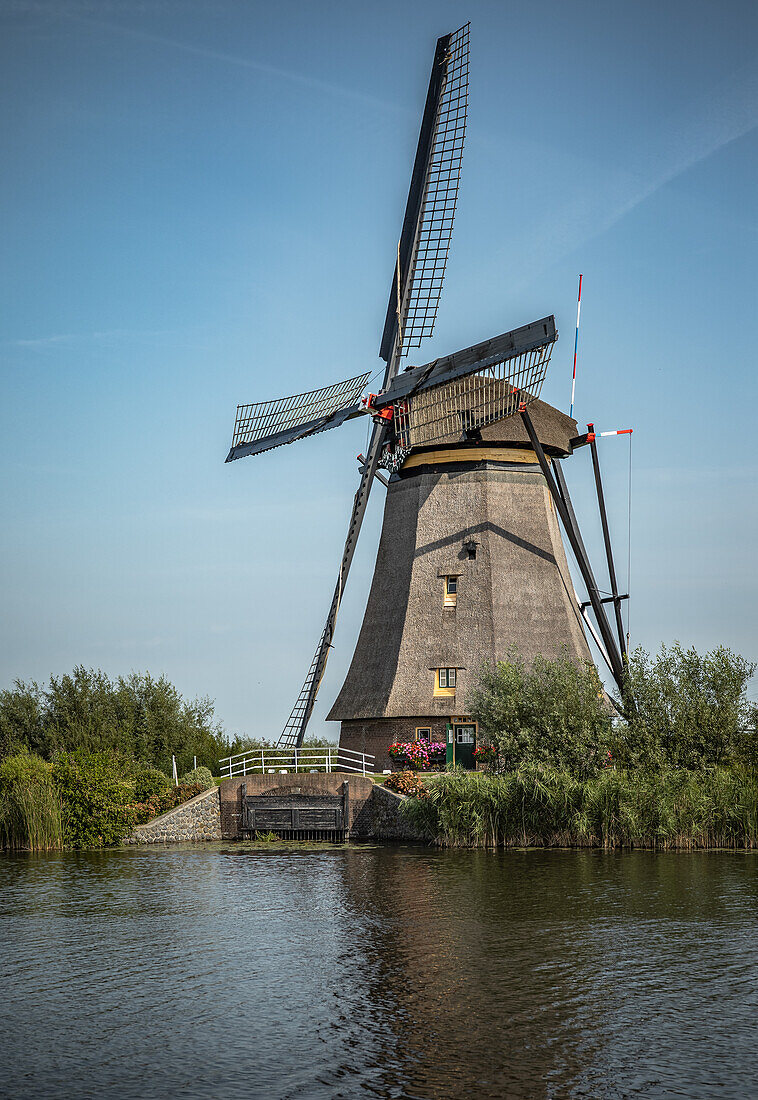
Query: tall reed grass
x: 537, y: 806
x: 30, y: 811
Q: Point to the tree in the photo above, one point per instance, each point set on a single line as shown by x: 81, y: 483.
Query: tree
x: 688, y: 711
x: 552, y: 712
x: 20, y: 719
x: 138, y: 716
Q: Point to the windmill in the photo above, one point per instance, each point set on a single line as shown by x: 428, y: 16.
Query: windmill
x: 463, y: 416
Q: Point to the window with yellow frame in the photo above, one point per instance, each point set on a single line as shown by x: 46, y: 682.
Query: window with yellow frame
x: 451, y: 591
x: 445, y: 680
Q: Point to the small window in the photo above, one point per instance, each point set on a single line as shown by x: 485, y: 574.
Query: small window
x: 423, y: 733
x: 444, y: 681
x: 451, y: 585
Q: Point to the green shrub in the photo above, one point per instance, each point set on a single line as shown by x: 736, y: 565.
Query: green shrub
x: 201, y: 776
x: 552, y: 713
x: 30, y: 812
x: 96, y: 798
x: 155, y: 805
x: 150, y: 782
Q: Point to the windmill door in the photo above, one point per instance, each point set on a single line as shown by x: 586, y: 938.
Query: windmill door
x: 465, y: 740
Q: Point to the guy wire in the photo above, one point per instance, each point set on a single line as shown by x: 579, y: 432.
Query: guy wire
x: 629, y: 549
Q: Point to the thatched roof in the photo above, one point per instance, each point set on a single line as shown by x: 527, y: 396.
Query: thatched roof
x: 554, y: 430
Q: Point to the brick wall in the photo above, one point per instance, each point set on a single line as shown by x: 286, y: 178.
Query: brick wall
x: 375, y: 735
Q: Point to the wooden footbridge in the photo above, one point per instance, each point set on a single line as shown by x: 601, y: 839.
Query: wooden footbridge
x: 298, y: 794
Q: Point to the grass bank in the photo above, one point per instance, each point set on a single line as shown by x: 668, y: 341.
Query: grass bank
x: 31, y: 816
x: 538, y: 806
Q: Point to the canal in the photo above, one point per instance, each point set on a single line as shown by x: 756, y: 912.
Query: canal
x: 223, y: 971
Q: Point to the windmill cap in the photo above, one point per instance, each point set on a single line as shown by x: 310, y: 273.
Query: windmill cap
x: 554, y: 429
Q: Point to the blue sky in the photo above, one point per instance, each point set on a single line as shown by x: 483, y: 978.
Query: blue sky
x: 201, y: 206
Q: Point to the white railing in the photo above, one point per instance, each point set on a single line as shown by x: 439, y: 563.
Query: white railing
x: 270, y: 760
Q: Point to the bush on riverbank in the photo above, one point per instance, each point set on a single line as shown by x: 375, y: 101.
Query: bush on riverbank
x: 678, y: 770
x: 682, y: 710
x: 200, y: 776
x: 96, y: 794
x: 535, y: 805
x: 80, y: 800
x: 688, y: 710
x: 552, y: 713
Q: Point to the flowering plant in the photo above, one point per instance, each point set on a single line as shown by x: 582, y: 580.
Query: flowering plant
x: 418, y: 754
x: 485, y: 753
x: 406, y: 783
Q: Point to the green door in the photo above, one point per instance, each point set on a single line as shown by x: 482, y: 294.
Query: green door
x: 465, y: 742
x: 450, y: 746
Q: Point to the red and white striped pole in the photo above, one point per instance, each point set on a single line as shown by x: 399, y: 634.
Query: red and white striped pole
x: 576, y: 344
x: 619, y: 431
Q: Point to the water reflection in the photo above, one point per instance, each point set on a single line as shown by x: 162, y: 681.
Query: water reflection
x: 378, y: 972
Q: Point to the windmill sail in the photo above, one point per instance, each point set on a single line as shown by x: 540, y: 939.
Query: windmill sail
x: 499, y: 351
x: 270, y: 424
x: 417, y: 285
x: 428, y: 224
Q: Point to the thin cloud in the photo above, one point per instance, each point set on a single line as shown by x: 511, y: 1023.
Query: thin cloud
x: 726, y: 114
x: 721, y: 116
x: 78, y: 14
x: 109, y: 336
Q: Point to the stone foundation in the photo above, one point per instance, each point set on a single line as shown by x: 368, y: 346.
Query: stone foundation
x: 380, y: 818
x: 216, y: 814
x: 198, y: 819
x: 374, y: 813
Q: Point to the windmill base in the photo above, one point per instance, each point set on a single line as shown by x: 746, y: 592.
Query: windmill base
x: 375, y: 735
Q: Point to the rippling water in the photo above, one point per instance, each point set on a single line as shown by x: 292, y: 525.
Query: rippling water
x: 223, y: 972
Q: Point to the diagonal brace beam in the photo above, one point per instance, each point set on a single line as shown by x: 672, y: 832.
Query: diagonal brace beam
x: 607, y: 539
x: 582, y: 560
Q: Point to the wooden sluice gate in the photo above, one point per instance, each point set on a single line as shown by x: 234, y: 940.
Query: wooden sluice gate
x: 297, y: 813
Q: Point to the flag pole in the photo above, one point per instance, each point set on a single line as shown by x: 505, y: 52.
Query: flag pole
x: 576, y: 344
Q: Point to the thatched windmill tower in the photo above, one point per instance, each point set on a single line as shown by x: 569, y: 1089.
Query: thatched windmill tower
x: 470, y: 560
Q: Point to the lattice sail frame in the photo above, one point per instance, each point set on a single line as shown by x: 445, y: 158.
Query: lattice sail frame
x: 267, y: 418
x: 471, y: 402
x: 435, y: 227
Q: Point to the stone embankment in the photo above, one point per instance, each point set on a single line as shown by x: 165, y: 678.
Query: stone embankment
x: 198, y: 819
x: 216, y: 814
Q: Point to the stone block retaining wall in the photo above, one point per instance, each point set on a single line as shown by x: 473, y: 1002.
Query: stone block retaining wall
x: 380, y: 818
x: 198, y: 819
x: 215, y: 814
